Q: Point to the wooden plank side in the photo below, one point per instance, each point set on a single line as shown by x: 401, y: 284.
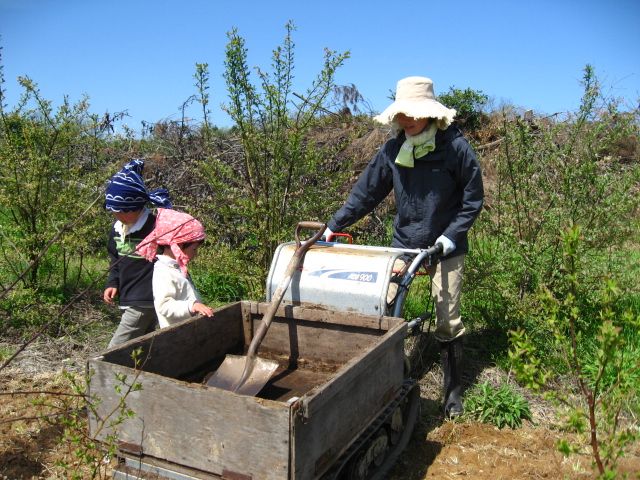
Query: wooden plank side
x: 333, y: 414
x: 320, y: 335
x: 247, y: 324
x: 197, y: 426
x: 389, y: 349
x: 178, y: 349
x: 315, y: 342
x: 321, y: 314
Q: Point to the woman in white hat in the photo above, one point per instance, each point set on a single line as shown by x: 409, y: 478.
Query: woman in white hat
x: 437, y: 184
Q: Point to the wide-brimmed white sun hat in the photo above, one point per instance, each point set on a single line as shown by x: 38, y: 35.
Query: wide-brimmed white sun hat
x: 415, y: 98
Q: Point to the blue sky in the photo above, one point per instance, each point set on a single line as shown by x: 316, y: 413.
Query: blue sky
x: 140, y: 55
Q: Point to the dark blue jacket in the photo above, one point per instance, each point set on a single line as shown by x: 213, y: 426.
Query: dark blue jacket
x: 130, y: 273
x: 441, y: 195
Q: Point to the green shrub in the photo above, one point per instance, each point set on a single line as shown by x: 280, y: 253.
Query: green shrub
x: 278, y: 176
x: 5, y: 352
x: 92, y: 459
x: 550, y: 174
x: 469, y: 105
x: 220, y: 287
x: 597, y: 339
x: 26, y: 308
x: 238, y: 277
x: 53, y: 163
x: 502, y: 406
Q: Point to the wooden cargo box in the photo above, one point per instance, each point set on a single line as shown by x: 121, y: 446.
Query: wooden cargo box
x: 337, y: 371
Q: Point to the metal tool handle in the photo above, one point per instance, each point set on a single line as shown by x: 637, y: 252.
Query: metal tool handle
x: 301, y: 249
x: 321, y: 227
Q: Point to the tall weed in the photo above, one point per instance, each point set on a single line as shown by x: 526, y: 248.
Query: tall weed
x: 597, y: 341
x: 550, y: 174
x: 278, y: 177
x: 51, y: 174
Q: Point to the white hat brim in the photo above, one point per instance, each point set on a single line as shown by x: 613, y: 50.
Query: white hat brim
x: 425, y: 108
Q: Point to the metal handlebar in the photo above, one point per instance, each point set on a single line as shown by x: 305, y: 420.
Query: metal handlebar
x: 435, y: 250
x: 332, y: 238
x: 430, y: 256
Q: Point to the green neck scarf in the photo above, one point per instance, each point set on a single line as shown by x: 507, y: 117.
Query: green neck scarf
x: 417, y: 146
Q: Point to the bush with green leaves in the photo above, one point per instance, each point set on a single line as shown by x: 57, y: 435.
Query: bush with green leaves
x: 502, y: 406
x: 52, y: 172
x: 596, y: 337
x: 92, y: 457
x: 469, y: 105
x: 278, y: 176
x: 64, y: 407
x: 549, y: 174
x: 219, y: 288
x: 6, y: 352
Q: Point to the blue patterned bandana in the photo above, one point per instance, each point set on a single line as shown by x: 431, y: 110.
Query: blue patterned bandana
x: 126, y: 191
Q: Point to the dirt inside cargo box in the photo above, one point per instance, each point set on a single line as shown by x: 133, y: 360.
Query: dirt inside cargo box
x: 290, y: 380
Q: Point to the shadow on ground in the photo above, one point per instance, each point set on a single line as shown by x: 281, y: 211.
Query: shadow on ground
x: 481, y: 348
x: 423, y: 354
x: 22, y: 457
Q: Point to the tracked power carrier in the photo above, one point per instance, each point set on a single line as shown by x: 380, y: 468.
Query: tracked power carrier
x: 340, y: 405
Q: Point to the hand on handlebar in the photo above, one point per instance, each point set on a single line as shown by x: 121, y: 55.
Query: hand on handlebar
x: 447, y: 245
x: 327, y: 235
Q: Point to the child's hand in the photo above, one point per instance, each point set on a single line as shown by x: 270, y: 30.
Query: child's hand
x: 202, y: 308
x: 109, y: 294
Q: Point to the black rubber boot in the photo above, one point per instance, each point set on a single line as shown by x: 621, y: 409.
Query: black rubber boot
x: 451, y: 357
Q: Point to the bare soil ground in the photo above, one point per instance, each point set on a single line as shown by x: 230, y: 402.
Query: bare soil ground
x: 479, y: 451
x: 31, y: 449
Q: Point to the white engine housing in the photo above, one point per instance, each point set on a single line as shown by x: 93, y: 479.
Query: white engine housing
x: 337, y: 276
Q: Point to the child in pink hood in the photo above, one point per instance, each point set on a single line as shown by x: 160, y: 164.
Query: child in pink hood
x: 174, y: 242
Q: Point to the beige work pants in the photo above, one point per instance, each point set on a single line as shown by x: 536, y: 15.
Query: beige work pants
x: 446, y: 284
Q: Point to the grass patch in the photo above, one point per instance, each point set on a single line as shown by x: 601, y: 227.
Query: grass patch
x: 502, y: 406
x: 219, y: 288
x: 5, y: 352
x: 418, y: 300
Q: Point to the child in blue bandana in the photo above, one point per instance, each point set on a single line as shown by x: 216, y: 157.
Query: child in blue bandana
x: 130, y: 274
